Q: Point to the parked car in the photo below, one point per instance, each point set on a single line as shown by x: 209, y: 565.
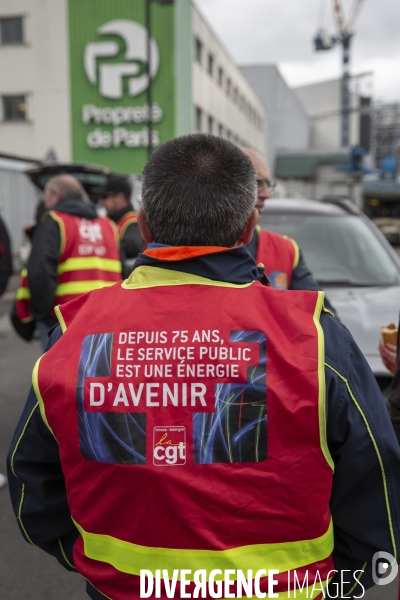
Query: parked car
x: 92, y: 177
x: 353, y: 262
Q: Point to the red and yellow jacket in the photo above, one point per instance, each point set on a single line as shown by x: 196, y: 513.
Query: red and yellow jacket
x: 240, y: 461
x: 128, y: 219
x: 279, y: 255
x: 89, y: 259
x: 164, y: 411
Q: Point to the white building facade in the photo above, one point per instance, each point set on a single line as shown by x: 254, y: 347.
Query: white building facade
x: 34, y: 67
x: 73, y: 80
x: 224, y: 101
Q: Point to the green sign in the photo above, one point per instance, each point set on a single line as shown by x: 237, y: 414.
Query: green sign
x: 109, y: 81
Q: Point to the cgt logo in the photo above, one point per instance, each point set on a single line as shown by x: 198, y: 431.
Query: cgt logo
x: 90, y: 231
x: 169, y: 446
x: 109, y: 76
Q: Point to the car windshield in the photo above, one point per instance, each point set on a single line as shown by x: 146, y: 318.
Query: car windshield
x: 339, y: 250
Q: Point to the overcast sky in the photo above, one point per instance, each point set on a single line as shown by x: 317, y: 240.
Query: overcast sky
x: 281, y: 32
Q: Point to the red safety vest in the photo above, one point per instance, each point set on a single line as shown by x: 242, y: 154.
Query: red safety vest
x: 174, y: 455
x: 89, y: 259
x: 23, y: 299
x: 125, y: 221
x: 279, y: 255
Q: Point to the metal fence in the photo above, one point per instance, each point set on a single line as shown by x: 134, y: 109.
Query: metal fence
x: 18, y: 199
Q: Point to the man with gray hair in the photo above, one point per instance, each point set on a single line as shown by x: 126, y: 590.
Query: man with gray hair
x: 74, y: 251
x: 283, y: 260
x: 185, y: 424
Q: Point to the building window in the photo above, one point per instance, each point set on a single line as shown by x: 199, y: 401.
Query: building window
x: 220, y: 76
x: 199, y: 119
x: 14, y: 108
x: 228, y: 135
x: 210, y: 66
x: 235, y: 94
x: 11, y: 31
x: 228, y: 87
x: 210, y: 125
x: 220, y: 130
x: 199, y: 50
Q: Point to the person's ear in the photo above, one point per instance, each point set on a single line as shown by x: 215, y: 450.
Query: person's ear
x: 248, y: 231
x: 144, y: 230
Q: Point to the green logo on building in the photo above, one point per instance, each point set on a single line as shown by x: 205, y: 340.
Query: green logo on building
x: 109, y: 80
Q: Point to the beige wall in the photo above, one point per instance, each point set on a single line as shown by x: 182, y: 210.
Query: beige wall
x: 322, y: 102
x: 39, y: 69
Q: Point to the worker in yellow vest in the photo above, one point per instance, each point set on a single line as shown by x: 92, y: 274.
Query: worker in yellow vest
x: 192, y: 421
x: 116, y: 199
x: 281, y: 257
x: 74, y: 251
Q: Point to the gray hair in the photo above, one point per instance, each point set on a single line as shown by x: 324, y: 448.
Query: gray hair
x: 66, y: 185
x: 198, y: 190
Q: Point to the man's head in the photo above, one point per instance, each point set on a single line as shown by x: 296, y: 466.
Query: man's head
x: 263, y: 177
x: 115, y: 195
x: 198, y: 190
x: 60, y: 186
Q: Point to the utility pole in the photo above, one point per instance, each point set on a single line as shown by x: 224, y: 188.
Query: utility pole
x: 149, y: 93
x: 346, y: 41
x: 149, y: 83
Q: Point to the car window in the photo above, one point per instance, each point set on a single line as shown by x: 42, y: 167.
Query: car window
x: 338, y: 249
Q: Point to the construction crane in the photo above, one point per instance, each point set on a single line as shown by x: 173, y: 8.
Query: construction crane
x: 323, y: 41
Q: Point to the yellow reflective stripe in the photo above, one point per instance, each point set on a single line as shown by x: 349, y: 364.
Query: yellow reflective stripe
x: 23, y: 293
x: 89, y: 262
x: 326, y: 310
x: 26, y: 319
x: 148, y: 277
x: 62, y: 230
x: 21, y: 436
x: 131, y: 558
x: 115, y: 230
x: 23, y: 485
x: 64, y: 555
x: 357, y: 581
x: 371, y: 435
x: 81, y: 287
x: 60, y: 318
x: 126, y: 224
x: 296, y: 251
x: 24, y: 272
x: 321, y: 381
x: 19, y: 515
x: 35, y: 383
x: 97, y: 590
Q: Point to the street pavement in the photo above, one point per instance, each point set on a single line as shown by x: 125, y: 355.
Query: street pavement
x: 27, y: 573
